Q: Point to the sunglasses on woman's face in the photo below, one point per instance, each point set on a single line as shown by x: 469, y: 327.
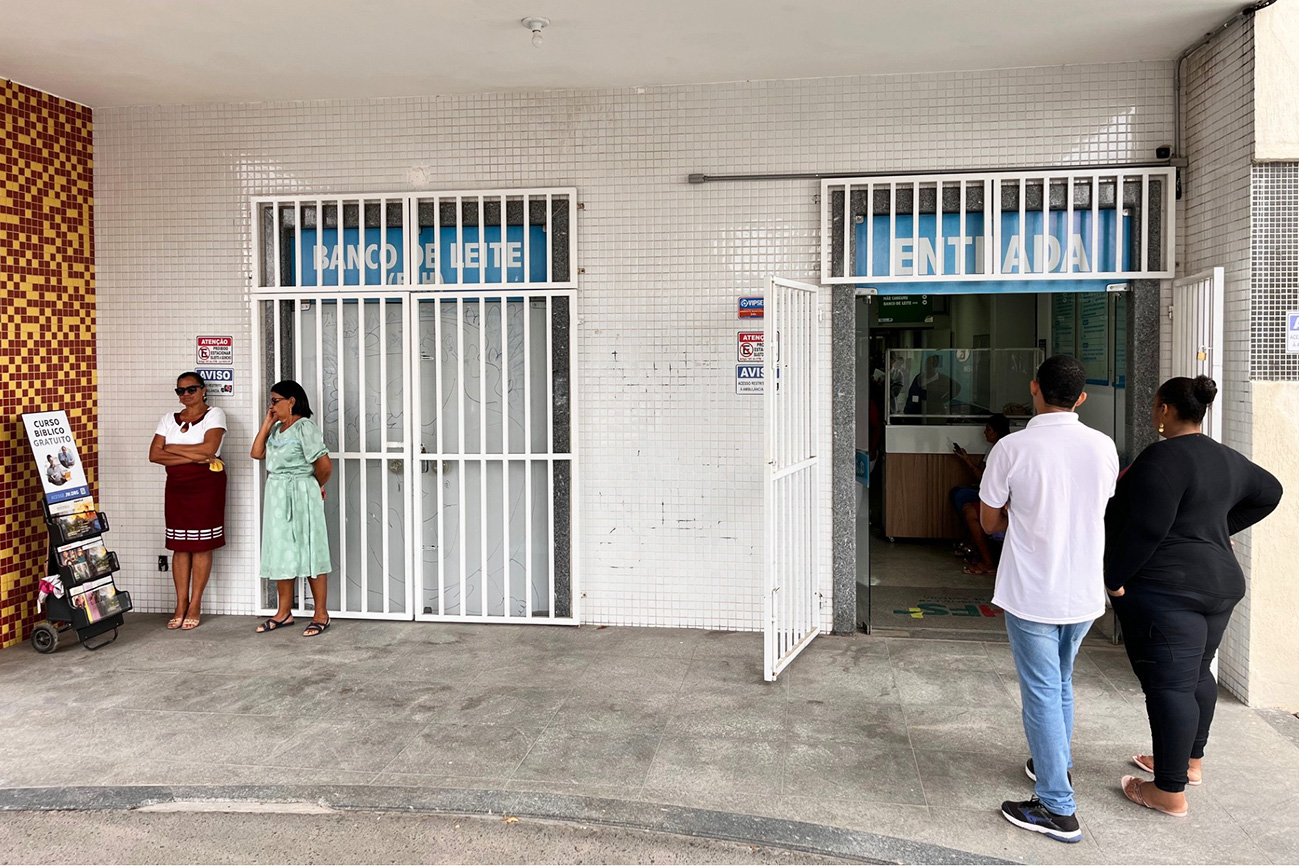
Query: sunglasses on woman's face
x: 188, y: 389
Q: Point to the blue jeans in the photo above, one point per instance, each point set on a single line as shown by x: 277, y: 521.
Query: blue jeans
x: 1044, y: 656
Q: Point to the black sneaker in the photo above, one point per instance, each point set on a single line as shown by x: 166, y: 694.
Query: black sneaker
x: 1032, y: 815
x: 1028, y: 771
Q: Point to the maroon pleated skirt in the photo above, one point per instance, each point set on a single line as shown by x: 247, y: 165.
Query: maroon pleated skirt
x: 195, y: 507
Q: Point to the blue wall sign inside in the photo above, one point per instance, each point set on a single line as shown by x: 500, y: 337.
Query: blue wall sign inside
x: 479, y: 261
x: 1058, y: 252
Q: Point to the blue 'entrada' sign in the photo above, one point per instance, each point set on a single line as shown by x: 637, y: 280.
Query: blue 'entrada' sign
x: 470, y: 262
x: 1021, y: 256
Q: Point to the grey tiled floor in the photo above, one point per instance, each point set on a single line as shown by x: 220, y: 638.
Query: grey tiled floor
x: 893, y: 577
x: 912, y: 738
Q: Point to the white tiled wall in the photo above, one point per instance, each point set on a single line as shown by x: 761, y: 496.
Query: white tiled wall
x: 1215, y: 231
x: 671, y: 530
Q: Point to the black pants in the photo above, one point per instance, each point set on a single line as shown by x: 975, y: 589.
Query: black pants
x: 1171, y: 637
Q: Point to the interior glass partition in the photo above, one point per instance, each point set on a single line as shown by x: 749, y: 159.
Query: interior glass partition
x: 937, y: 385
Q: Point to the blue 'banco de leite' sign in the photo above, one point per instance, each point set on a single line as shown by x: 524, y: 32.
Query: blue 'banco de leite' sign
x: 467, y: 260
x: 1022, y: 256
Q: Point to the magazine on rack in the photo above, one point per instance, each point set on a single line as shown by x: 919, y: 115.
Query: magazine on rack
x: 97, y: 599
x: 85, y: 560
x: 76, y: 519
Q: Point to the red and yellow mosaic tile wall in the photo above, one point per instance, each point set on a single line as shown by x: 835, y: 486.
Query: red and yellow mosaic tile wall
x: 47, y: 320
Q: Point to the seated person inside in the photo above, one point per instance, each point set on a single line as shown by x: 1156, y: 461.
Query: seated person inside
x: 966, y: 501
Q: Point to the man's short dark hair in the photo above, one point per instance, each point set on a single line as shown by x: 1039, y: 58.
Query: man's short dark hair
x: 1061, y: 380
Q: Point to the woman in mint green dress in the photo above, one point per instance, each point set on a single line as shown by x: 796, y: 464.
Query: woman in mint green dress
x: 295, y: 542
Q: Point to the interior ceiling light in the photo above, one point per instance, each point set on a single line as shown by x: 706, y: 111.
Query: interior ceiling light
x: 536, y: 25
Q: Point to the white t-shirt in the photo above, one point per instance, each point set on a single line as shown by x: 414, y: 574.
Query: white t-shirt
x: 170, y: 431
x: 1057, y: 474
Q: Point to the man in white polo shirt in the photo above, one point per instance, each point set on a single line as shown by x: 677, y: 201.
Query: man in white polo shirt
x: 1046, y: 487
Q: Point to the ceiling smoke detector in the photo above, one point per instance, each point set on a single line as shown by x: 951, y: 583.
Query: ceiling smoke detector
x: 536, y: 25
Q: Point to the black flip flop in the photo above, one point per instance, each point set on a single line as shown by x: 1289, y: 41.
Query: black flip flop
x: 272, y: 624
x: 315, y: 628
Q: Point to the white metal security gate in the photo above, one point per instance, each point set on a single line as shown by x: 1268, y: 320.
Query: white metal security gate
x: 433, y: 335
x: 792, y: 597
x: 349, y: 353
x: 1196, y: 316
x: 493, y: 397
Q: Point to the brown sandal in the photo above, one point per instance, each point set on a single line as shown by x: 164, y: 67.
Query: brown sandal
x: 174, y: 623
x: 1132, y: 790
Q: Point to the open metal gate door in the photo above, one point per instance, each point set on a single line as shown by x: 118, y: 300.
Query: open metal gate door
x: 1196, y: 316
x: 792, y: 599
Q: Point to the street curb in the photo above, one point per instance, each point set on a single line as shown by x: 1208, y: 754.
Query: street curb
x: 654, y: 817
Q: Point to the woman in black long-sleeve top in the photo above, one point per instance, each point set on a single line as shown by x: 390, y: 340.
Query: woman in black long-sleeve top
x: 1174, y: 578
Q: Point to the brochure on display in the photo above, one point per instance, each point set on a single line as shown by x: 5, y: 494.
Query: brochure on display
x: 76, y: 519
x: 85, y: 560
x: 97, y: 600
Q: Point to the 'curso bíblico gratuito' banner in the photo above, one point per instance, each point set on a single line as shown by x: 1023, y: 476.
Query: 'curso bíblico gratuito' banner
x: 55, y: 450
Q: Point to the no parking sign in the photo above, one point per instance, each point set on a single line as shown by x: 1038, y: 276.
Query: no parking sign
x: 750, y: 347
x: 214, y: 350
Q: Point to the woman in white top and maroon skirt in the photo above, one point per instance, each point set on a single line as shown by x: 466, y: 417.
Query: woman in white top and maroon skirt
x: 188, y: 443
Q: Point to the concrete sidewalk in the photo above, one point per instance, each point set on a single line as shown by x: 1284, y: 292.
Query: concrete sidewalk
x: 915, y: 739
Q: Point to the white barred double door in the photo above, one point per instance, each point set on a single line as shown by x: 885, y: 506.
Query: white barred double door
x: 432, y: 333
x: 448, y: 420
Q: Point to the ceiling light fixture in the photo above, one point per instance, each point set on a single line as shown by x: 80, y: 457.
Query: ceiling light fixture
x: 536, y: 25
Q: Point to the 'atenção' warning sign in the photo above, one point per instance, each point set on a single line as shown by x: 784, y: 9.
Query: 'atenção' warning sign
x: 214, y: 350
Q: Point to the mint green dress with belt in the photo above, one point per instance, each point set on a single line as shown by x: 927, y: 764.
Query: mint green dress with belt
x: 295, y: 542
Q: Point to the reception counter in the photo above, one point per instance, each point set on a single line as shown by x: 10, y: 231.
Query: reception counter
x: 920, y: 470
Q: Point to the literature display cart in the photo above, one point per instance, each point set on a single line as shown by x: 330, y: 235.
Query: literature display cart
x: 79, y: 594
x: 92, y: 605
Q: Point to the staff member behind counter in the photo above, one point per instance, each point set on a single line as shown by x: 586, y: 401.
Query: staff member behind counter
x: 932, y: 391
